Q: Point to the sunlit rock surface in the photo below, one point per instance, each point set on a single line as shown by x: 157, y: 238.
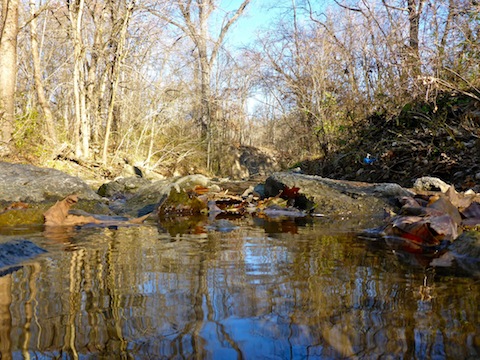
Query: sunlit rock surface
x: 338, y: 197
x: 28, y: 183
x: 428, y: 183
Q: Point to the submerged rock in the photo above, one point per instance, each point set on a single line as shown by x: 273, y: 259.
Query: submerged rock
x: 31, y: 216
x: 14, y: 252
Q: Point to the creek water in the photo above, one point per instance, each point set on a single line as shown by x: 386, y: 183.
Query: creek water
x: 292, y: 289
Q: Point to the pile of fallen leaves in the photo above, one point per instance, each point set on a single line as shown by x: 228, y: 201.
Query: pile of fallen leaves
x: 426, y: 222
x: 430, y: 222
x: 203, y: 200
x: 178, y: 203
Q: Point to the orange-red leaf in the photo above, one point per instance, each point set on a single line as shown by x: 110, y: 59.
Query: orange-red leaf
x: 289, y: 193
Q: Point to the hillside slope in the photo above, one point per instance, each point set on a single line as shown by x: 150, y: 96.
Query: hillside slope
x: 439, y: 139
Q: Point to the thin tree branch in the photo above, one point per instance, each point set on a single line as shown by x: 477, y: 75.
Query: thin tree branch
x: 393, y: 7
x: 225, y: 28
x: 348, y: 7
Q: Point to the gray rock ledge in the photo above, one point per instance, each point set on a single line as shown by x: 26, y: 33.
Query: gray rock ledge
x: 339, y: 197
x: 28, y: 183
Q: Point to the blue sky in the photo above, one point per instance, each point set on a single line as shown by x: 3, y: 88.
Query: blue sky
x: 258, y: 16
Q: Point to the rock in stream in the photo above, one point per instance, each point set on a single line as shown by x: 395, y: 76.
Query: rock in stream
x: 339, y: 197
x: 33, y: 184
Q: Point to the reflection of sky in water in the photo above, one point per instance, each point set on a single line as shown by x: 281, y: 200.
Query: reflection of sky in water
x: 244, y: 293
x: 261, y: 259
x: 266, y: 337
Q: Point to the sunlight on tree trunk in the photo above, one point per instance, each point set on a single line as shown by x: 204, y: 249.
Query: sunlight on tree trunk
x: 8, y: 68
x: 414, y: 12
x: 81, y: 129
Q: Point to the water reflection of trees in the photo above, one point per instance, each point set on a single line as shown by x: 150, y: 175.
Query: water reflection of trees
x: 5, y: 316
x: 130, y: 291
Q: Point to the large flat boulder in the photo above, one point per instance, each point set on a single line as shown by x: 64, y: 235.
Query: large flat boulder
x: 339, y: 197
x: 28, y: 183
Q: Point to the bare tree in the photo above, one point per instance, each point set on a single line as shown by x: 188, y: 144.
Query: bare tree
x: 192, y: 18
x: 8, y: 66
x: 120, y: 26
x: 155, y: 80
x: 96, y: 64
x: 51, y: 135
x: 81, y: 126
x: 414, y: 8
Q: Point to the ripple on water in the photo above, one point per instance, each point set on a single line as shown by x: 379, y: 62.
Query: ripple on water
x: 254, y: 292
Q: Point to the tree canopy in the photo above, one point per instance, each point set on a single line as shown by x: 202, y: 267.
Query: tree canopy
x: 156, y: 81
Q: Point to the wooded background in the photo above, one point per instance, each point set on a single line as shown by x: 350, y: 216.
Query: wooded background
x: 158, y: 83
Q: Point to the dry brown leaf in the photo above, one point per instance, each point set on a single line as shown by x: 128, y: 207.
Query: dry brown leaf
x: 201, y: 190
x: 412, y: 228
x: 472, y: 222
x: 459, y: 200
x: 444, y: 206
x: 15, y: 206
x: 409, y: 201
x: 138, y: 220
x: 444, y: 226
x: 473, y: 211
x: 471, y: 215
x: 58, y: 215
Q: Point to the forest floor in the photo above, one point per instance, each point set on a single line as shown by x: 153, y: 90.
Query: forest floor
x: 439, y: 139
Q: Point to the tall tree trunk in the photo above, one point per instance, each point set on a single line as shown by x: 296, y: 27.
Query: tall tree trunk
x: 206, y: 103
x: 8, y: 66
x: 81, y: 129
x: 51, y: 135
x: 415, y: 8
x: 446, y: 32
x: 92, y: 87
x: 205, y: 78
x: 119, y: 55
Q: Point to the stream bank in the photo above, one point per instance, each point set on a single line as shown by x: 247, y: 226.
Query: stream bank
x: 439, y: 138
